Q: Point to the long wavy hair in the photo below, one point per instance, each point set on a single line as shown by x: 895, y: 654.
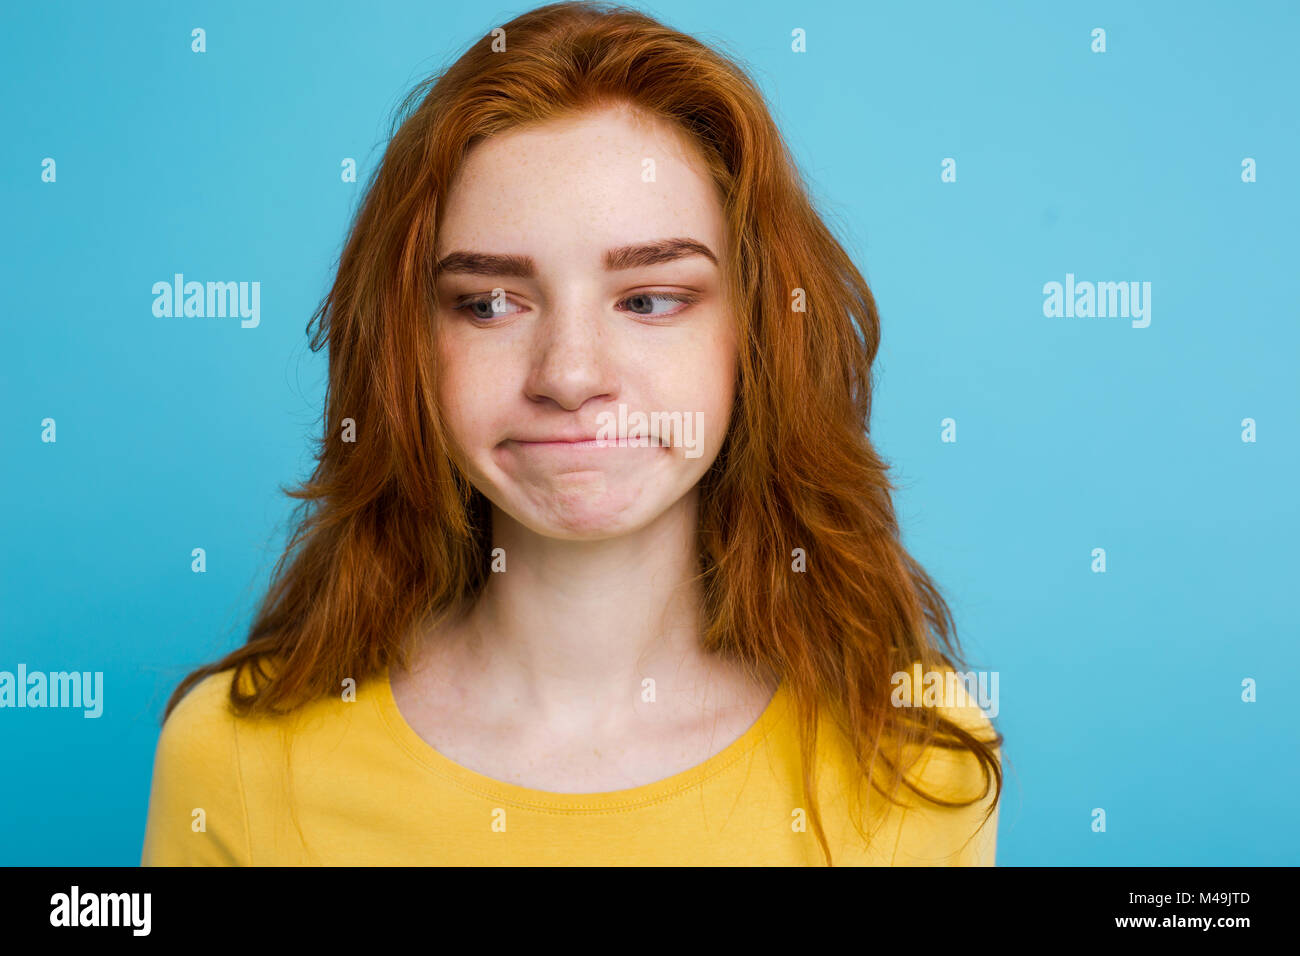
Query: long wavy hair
x: 390, y: 533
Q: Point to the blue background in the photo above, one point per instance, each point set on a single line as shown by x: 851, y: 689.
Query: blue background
x: 1118, y: 690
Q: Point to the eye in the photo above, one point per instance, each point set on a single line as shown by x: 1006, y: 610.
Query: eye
x: 643, y: 302
x: 482, y: 308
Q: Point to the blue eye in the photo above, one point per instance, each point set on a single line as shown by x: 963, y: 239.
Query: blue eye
x: 481, y: 308
x: 647, y: 297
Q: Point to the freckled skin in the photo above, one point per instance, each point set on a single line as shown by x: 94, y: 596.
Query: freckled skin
x: 567, y: 347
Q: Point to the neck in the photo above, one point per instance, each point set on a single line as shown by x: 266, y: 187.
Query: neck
x: 568, y: 633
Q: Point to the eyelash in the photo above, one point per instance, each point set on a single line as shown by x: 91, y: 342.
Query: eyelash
x: 686, y: 298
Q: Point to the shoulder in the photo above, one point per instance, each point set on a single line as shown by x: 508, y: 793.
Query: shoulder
x: 954, y: 818
x: 203, y: 731
x: 196, y: 801
x: 200, y: 730
x: 949, y: 763
x: 204, y: 705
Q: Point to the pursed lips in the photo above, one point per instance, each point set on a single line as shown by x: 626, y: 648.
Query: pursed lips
x: 575, y: 442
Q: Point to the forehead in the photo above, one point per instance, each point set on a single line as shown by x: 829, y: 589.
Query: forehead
x: 601, y: 178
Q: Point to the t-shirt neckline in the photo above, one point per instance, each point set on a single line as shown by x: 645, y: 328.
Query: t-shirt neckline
x: 489, y: 787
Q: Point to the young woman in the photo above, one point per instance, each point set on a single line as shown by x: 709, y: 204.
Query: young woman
x: 598, y: 565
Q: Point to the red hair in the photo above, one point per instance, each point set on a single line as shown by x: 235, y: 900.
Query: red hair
x: 391, y: 534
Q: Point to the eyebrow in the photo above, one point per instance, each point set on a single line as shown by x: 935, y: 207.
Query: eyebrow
x: 624, y: 257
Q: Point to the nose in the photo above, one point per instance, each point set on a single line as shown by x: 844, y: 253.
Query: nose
x: 571, y: 359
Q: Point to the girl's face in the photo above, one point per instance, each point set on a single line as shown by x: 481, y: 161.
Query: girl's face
x: 582, y: 286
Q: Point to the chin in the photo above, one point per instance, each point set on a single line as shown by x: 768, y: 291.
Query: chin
x: 579, y: 515
x: 590, y: 524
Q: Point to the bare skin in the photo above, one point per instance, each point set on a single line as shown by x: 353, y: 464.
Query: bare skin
x: 542, y: 682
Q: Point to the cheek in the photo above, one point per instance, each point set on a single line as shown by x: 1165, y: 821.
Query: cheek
x: 714, y: 377
x: 460, y: 390
x: 701, y: 384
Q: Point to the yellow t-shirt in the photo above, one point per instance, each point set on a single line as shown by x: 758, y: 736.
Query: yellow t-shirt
x: 365, y: 789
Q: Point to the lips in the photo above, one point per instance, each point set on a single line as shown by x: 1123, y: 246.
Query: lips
x: 556, y: 439
x: 568, y: 442
x: 578, y: 442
